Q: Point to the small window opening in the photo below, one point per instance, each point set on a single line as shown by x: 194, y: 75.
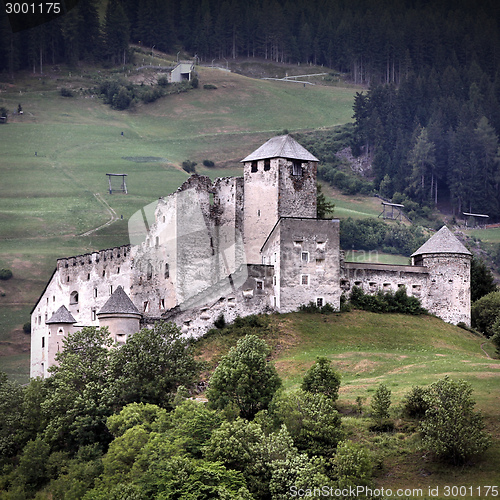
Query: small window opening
x: 319, y: 302
x: 297, y: 168
x: 111, y: 289
x: 304, y: 279
x: 150, y: 271
x: 260, y: 285
x: 146, y: 306
x: 73, y: 298
x: 88, y: 276
x: 162, y: 304
x: 254, y: 166
x: 104, y: 273
x: 167, y: 271
x: 43, y: 342
x: 267, y: 165
x: 93, y: 315
x: 305, y: 257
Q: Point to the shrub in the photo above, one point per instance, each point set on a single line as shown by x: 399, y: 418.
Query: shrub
x: 415, y: 403
x: 451, y: 428
x: 163, y: 81
x: 208, y: 163
x: 322, y: 378
x: 220, y: 322
x: 27, y: 327
x: 189, y: 166
x: 65, y: 92
x: 5, y: 274
x: 380, y: 404
x: 209, y: 86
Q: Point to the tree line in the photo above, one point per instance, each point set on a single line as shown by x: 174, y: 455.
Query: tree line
x: 375, y: 42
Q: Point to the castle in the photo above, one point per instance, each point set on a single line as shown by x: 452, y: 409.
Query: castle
x: 234, y: 247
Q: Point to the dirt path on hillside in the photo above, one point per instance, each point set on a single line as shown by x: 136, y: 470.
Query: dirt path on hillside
x: 110, y: 211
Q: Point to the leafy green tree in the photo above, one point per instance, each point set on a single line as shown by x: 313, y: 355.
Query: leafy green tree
x: 380, y: 404
x: 243, y: 446
x: 79, y: 400
x: 152, y: 365
x: 311, y: 419
x: 482, y: 281
x: 352, y: 463
x: 144, y: 414
x: 485, y: 311
x: 11, y: 397
x: 322, y: 378
x: 451, y: 428
x: 244, y: 378
x: 190, y: 426
x: 31, y: 474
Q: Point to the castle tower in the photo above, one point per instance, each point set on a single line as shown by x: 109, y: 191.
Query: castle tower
x: 120, y: 315
x: 279, y: 181
x: 60, y: 324
x: 449, y: 263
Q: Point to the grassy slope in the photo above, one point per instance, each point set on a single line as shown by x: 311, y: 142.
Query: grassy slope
x: 400, y: 351
x: 48, y: 199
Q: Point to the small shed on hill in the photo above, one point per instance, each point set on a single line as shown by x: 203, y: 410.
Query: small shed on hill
x: 182, y: 72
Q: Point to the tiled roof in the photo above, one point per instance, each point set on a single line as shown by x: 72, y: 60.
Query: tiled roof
x: 444, y: 241
x: 282, y: 146
x: 119, y: 303
x: 62, y: 315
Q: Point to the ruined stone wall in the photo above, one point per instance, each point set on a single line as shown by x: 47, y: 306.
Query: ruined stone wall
x: 83, y: 284
x: 253, y: 297
x: 372, y: 278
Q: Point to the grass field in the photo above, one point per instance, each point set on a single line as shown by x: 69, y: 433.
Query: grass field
x: 400, y: 351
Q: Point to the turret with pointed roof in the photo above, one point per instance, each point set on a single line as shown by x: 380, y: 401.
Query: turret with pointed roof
x: 120, y: 315
x: 444, y: 241
x: 61, y: 316
x: 282, y: 146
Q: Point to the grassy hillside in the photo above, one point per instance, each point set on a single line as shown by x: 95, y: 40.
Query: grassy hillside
x: 400, y: 351
x: 55, y: 156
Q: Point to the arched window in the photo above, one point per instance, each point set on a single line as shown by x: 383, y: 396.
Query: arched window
x: 73, y: 298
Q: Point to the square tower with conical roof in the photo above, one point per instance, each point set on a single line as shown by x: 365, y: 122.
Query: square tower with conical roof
x: 279, y: 181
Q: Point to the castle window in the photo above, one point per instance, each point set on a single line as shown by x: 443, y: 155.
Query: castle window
x: 53, y: 298
x: 260, y: 285
x: 111, y: 289
x: 73, y: 298
x: 167, y: 271
x: 104, y: 273
x: 146, y: 306
x: 60, y: 331
x: 88, y: 276
x: 46, y: 317
x: 162, y: 304
x: 297, y: 243
x: 304, y: 257
x: 267, y: 165
x: 67, y: 279
x: 254, y: 166
x: 157, y: 241
x: 118, y: 271
x: 43, y: 342
x: 297, y: 168
x: 274, y: 280
x: 95, y: 293
x: 320, y: 262
x: 150, y: 271
x: 47, y: 301
x: 93, y: 314
x: 320, y: 302
x: 275, y: 301
x: 304, y: 279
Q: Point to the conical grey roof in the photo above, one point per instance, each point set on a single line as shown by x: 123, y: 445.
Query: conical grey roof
x: 282, y: 146
x: 444, y: 241
x: 119, y: 303
x: 62, y: 315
